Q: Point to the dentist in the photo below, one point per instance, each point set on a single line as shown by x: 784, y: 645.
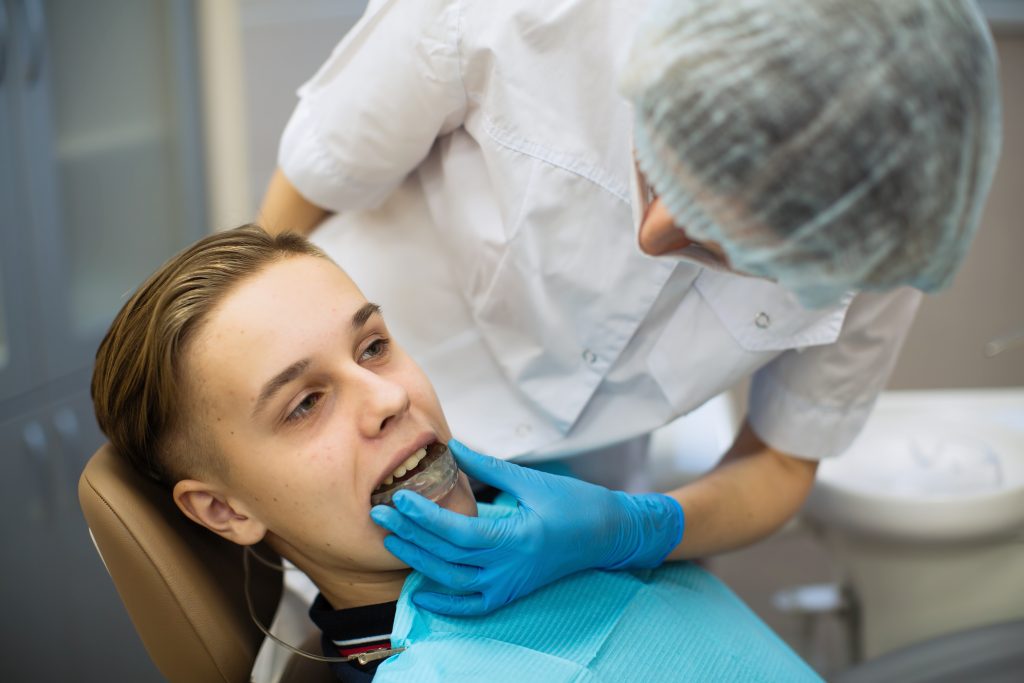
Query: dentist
x: 798, y: 169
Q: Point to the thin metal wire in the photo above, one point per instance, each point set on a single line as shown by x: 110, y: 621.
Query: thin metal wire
x: 362, y: 657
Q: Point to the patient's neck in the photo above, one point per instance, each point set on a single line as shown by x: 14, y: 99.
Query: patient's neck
x: 345, y: 592
x: 344, y: 587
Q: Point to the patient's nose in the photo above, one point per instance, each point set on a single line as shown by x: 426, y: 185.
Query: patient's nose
x: 382, y: 401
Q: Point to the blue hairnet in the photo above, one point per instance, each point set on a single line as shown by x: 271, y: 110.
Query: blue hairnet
x: 828, y: 144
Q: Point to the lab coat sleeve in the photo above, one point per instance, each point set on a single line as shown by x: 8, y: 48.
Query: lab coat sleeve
x: 812, y: 403
x: 372, y: 112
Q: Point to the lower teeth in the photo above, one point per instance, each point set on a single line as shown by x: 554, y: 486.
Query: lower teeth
x: 433, y: 482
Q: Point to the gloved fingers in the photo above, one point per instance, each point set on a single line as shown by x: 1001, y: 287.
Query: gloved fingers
x: 406, y: 529
x: 455, y: 576
x: 453, y: 605
x: 459, y: 530
x: 509, y: 477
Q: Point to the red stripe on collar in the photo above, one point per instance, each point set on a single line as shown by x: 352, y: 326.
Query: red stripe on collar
x: 371, y: 647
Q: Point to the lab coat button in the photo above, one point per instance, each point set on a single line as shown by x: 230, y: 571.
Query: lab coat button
x: 523, y: 429
x: 589, y: 356
x: 762, y: 320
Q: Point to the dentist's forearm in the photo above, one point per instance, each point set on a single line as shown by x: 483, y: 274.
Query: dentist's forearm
x: 285, y: 210
x: 749, y: 495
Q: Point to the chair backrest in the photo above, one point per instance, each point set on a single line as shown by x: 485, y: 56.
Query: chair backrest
x: 182, y: 585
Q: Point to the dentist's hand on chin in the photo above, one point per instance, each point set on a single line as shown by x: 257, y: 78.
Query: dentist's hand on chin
x: 562, y: 526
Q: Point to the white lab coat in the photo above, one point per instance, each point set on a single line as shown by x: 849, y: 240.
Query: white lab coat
x: 481, y: 158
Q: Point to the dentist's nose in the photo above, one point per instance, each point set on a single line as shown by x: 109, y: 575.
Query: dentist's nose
x: 382, y: 401
x: 658, y: 233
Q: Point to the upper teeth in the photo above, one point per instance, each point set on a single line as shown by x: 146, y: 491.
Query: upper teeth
x: 406, y: 465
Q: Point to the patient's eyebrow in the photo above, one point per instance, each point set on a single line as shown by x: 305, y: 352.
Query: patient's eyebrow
x: 360, y: 317
x: 296, y: 369
x: 282, y: 378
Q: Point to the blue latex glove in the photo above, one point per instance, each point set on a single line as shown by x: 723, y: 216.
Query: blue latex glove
x: 562, y: 525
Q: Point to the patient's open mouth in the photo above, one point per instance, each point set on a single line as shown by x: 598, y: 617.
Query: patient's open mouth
x: 430, y: 472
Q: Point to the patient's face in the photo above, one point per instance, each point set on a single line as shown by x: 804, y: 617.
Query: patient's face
x: 313, y: 404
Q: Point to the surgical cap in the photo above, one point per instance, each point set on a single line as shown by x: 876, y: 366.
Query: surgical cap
x: 832, y: 145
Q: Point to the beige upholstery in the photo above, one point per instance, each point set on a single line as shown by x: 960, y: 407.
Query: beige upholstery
x: 181, y: 584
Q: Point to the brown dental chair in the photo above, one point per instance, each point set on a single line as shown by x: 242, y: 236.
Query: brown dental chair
x: 181, y: 584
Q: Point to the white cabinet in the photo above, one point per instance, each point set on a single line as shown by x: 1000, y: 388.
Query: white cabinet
x: 101, y: 179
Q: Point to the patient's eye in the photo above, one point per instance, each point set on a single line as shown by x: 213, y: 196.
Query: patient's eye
x: 376, y: 349
x: 305, y: 408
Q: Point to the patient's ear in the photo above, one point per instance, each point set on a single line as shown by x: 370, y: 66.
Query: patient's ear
x: 208, y: 506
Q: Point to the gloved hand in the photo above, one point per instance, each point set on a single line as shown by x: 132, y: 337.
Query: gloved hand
x: 562, y: 525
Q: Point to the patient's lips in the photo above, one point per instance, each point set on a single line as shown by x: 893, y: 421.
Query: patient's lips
x: 430, y: 471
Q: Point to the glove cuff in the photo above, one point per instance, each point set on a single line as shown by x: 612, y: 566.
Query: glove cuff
x: 657, y: 522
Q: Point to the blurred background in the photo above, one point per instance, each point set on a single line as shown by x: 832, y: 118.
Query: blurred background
x: 129, y: 128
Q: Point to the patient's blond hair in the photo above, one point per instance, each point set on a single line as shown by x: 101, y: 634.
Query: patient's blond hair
x: 138, y: 390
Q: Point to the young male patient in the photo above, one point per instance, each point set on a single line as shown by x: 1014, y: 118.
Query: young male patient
x: 252, y: 378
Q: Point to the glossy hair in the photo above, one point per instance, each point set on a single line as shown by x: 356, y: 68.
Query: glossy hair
x: 138, y: 387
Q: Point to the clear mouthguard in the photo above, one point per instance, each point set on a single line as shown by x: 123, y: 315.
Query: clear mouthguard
x: 433, y: 478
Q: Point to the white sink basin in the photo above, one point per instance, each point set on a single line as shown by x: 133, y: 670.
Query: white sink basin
x: 930, y: 466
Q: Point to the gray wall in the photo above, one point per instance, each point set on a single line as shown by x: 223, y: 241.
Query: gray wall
x: 283, y: 44
x: 945, y: 345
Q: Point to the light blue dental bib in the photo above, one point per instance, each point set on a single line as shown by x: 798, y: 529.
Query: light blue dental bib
x: 674, y: 623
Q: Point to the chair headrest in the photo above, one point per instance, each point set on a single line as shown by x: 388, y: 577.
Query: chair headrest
x: 181, y: 584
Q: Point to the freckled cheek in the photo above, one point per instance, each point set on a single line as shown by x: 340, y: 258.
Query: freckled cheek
x: 329, y: 475
x: 421, y: 395
x: 318, y: 467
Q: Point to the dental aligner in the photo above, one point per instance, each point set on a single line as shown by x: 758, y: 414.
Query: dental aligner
x: 432, y: 475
